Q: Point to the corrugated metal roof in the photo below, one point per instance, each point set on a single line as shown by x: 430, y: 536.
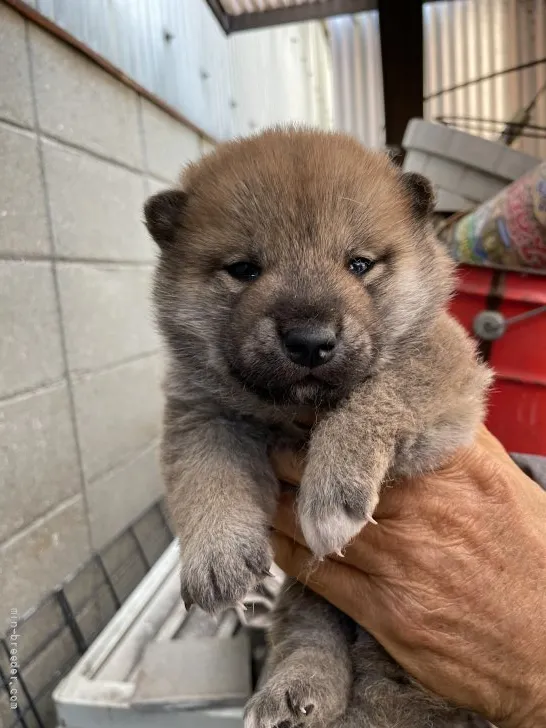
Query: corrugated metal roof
x: 236, y: 7
x: 238, y: 15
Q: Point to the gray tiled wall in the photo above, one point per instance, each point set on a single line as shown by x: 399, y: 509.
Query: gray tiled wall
x: 80, y: 404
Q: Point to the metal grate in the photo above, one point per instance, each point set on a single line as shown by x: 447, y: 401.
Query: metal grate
x: 40, y: 648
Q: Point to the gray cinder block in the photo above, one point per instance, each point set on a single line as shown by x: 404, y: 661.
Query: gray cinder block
x: 169, y: 145
x: 30, y: 344
x: 106, y: 313
x: 96, y: 207
x: 16, y: 95
x: 80, y: 103
x: 23, y: 220
x: 118, y: 413
x: 39, y: 465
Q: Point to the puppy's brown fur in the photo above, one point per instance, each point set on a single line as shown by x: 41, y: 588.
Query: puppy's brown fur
x: 398, y: 389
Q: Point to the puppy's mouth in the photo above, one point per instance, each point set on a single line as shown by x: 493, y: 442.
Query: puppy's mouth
x: 275, y: 378
x: 311, y: 387
x: 314, y: 391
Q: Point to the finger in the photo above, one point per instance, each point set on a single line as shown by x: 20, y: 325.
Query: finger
x: 350, y: 590
x: 286, y: 519
x: 338, y: 583
x: 489, y: 442
x: 370, y: 551
x: 485, y: 447
x: 485, y: 463
x: 288, y: 465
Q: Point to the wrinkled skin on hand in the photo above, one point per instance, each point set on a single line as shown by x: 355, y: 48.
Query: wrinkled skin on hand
x: 451, y: 580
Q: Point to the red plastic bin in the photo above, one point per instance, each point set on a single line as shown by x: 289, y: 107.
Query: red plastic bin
x: 517, y: 405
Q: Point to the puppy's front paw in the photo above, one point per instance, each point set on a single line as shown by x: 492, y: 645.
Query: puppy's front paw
x: 334, y: 504
x: 218, y: 574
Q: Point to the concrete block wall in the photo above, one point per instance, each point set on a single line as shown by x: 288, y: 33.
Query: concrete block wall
x: 80, y: 405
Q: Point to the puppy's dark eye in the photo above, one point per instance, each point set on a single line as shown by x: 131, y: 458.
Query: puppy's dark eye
x: 243, y: 271
x: 359, y: 266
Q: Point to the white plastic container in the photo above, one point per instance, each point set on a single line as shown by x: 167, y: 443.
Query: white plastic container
x: 103, y: 688
x: 466, y: 170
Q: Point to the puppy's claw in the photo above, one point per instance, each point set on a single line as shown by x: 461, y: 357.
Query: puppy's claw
x: 186, y: 600
x: 371, y: 519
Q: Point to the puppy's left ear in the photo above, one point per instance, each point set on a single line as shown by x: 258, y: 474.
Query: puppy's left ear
x: 163, y: 214
x: 421, y: 194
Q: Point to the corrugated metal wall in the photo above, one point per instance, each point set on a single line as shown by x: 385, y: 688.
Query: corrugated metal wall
x: 226, y: 86
x: 358, y: 81
x: 463, y: 39
x: 467, y: 39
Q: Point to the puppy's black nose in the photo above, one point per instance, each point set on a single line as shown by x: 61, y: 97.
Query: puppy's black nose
x: 310, y: 346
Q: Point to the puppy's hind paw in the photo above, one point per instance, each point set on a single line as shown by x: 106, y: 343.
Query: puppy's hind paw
x: 278, y: 708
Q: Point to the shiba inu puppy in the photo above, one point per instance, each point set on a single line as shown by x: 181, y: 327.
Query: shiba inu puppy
x: 299, y: 275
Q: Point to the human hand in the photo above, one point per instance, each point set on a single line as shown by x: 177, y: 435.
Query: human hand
x: 451, y: 580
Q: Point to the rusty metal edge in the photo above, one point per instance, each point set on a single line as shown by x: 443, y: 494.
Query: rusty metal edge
x: 38, y: 19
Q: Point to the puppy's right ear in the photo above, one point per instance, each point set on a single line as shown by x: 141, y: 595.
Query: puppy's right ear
x: 163, y: 215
